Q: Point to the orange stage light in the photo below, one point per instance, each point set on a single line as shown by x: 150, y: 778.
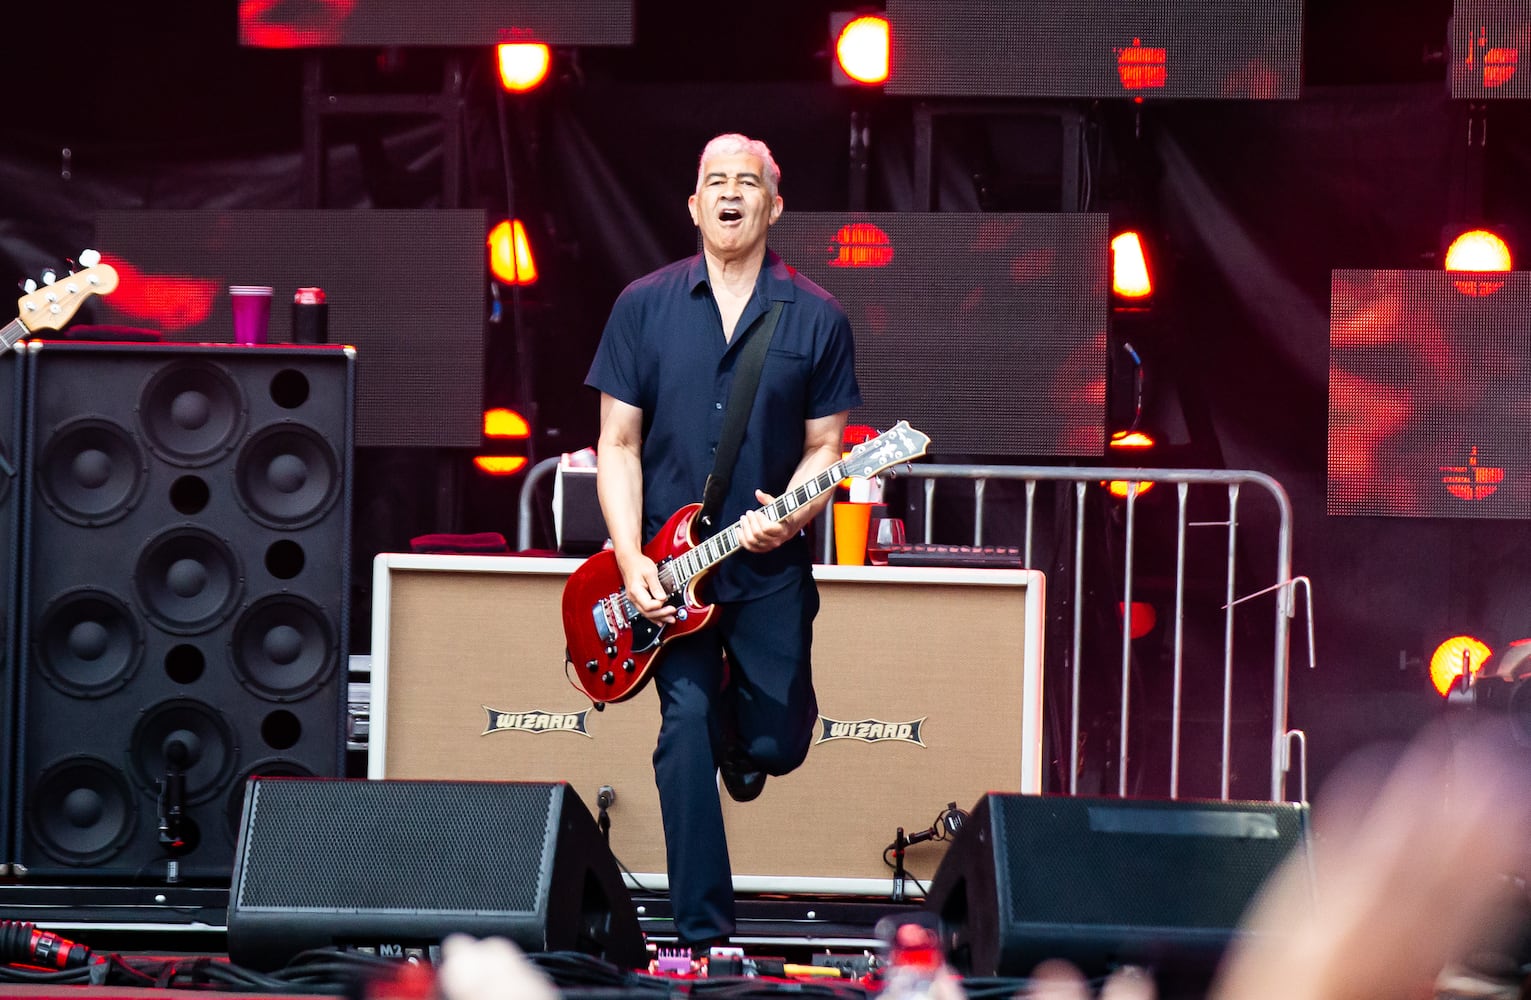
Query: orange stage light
x: 1481, y: 252
x: 503, y: 423
x: 1446, y: 661
x: 861, y: 50
x: 1132, y: 439
x: 510, y: 254
x: 500, y: 465
x: 1119, y: 487
x: 1129, y: 268
x: 523, y: 65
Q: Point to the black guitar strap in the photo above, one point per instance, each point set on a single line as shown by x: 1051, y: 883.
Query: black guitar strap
x: 740, y: 399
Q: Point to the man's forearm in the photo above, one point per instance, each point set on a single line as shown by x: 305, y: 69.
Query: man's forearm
x: 619, y: 486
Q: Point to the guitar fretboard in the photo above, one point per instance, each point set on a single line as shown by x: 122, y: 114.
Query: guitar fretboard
x: 10, y: 333
x: 679, y: 571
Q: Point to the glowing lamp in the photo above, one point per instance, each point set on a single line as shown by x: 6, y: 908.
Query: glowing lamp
x: 1120, y: 487
x: 1131, y: 439
x: 1129, y: 269
x: 503, y: 423
x: 523, y: 65
x: 861, y: 50
x: 1478, y: 250
x: 1447, y: 661
x: 510, y: 255
x: 1141, y: 618
x: 500, y: 465
x: 1481, y: 252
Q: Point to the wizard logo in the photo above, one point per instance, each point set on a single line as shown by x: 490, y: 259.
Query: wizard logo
x: 871, y: 731
x: 535, y: 721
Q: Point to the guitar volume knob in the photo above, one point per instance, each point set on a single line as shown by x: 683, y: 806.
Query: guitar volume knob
x: 680, y: 614
x: 608, y: 678
x: 611, y: 652
x: 628, y: 665
x: 591, y: 666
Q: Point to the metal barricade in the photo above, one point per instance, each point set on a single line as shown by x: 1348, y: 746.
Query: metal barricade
x: 1283, y: 588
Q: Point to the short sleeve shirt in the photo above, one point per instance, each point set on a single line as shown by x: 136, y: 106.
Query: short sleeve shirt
x: 663, y: 351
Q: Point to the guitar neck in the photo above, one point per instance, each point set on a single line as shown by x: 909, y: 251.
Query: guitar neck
x: 726, y: 542
x: 10, y: 333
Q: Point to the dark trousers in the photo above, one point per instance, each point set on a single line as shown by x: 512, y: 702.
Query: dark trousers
x: 770, y: 694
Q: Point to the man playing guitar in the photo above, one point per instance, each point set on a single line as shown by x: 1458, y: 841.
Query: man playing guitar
x: 664, y: 369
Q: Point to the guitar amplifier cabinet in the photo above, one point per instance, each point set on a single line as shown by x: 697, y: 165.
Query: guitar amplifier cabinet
x: 929, y: 683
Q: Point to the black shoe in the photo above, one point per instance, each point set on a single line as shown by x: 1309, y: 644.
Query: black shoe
x: 741, y: 776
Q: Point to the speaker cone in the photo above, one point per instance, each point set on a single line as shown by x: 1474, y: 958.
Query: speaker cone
x: 283, y: 647
x: 288, y: 476
x: 92, y: 472
x: 192, y: 413
x: 81, y: 811
x: 88, y: 643
x: 190, y: 736
x: 189, y: 580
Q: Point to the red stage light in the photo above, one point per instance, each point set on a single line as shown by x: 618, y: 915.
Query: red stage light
x: 1481, y: 252
x: 523, y: 65
x: 1141, y: 619
x: 1129, y: 269
x: 1141, y: 67
x: 861, y: 244
x: 510, y: 254
x: 1446, y: 662
x: 1472, y: 481
x: 1499, y: 66
x: 861, y: 49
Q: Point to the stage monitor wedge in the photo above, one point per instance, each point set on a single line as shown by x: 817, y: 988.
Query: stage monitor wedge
x: 406, y: 863
x: 1105, y: 882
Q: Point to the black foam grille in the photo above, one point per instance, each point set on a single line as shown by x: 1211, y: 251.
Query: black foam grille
x: 436, y: 847
x: 1140, y: 863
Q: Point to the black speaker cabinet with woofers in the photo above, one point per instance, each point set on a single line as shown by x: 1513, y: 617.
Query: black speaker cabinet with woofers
x: 395, y: 865
x: 183, y: 597
x: 1106, y: 882
x: 10, y: 506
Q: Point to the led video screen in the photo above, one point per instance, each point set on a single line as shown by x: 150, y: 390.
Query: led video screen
x: 1105, y: 48
x: 1430, y: 394
x: 985, y: 331
x: 405, y: 288
x: 287, y: 24
x: 1488, y: 38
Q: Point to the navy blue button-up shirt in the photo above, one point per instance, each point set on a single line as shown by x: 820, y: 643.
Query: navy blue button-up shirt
x: 663, y: 351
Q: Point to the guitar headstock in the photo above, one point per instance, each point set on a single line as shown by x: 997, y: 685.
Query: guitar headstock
x: 54, y: 304
x: 894, y: 446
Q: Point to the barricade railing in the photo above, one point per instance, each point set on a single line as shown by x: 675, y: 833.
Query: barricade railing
x: 1283, y: 586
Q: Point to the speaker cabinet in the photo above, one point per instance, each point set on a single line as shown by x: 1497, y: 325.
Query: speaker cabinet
x: 183, y: 599
x: 393, y: 865
x: 10, y: 507
x: 1103, y: 882
x: 929, y: 684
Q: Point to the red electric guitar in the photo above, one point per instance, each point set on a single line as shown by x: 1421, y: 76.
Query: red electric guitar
x: 612, y: 648
x: 55, y: 303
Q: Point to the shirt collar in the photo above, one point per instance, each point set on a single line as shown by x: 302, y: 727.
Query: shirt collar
x: 774, y: 281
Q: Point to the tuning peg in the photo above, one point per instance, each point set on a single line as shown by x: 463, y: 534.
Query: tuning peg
x: 29, y: 286
x: 49, y: 277
x: 90, y: 258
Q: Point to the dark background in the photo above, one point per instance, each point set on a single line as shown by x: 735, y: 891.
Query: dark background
x: 1251, y: 205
